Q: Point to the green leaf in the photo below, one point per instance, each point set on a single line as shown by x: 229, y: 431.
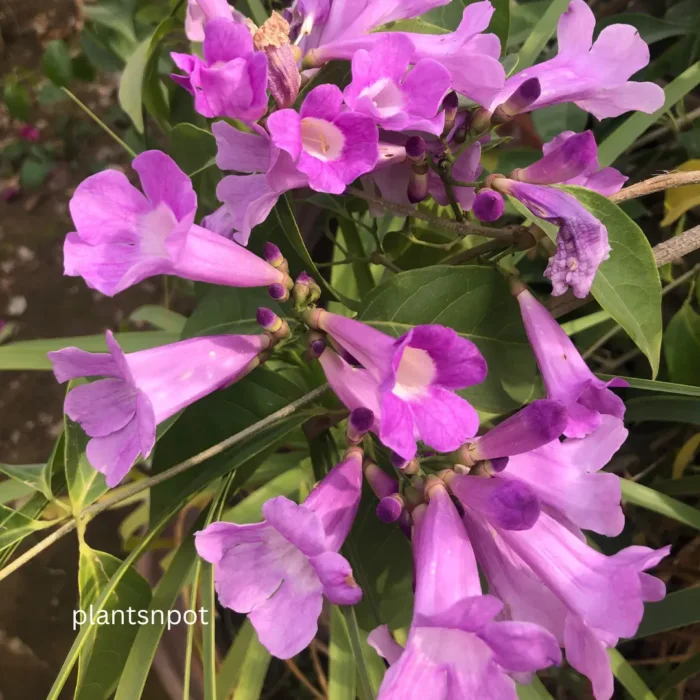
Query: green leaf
x: 342, y: 674
x: 85, y: 631
x: 33, y: 172
x: 115, y: 14
x: 253, y: 671
x: 656, y: 386
x: 34, y: 476
x: 644, y: 497
x: 476, y: 302
x: 160, y: 317
x: 101, y: 667
x: 627, y: 285
x: 650, y: 28
x: 57, y: 63
x: 165, y: 595
x: 131, y: 85
x: 11, y: 490
x: 85, y: 483
x: 542, y: 32
x: 361, y: 269
x: 551, y: 121
x: 684, y: 671
x: 628, y: 677
x: 16, y: 525
x: 633, y: 127
x: 682, y: 346
x: 284, y: 216
x: 359, y: 648
x: 208, y: 603
x: 191, y: 148
x: 678, y: 609
x: 18, y: 101
x: 533, y: 691
x: 673, y: 409
x: 31, y: 354
x: 233, y: 663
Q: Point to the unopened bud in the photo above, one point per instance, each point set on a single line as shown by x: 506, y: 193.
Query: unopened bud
x: 301, y: 289
x: 432, y: 483
x: 413, y: 497
x: 359, y: 423
x: 407, y: 466
x: 450, y: 105
x: 379, y: 481
x: 278, y: 292
x: 495, y: 465
x: 273, y: 255
x: 316, y: 345
x: 418, y: 184
x: 488, y: 205
x: 277, y: 327
x: 481, y: 121
x: 415, y: 149
x: 526, y: 94
x: 389, y: 509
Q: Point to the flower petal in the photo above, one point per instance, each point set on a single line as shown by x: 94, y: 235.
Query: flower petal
x: 114, y: 454
x: 335, y: 574
x: 297, y: 524
x: 102, y: 407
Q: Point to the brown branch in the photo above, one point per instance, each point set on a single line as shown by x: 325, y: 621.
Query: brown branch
x: 657, y: 184
x: 679, y: 124
x: 461, y: 228
x: 665, y: 252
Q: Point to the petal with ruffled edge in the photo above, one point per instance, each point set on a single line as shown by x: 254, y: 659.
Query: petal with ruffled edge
x: 107, y: 207
x: 384, y: 644
x: 335, y: 574
x: 225, y: 41
x: 297, y: 524
x: 163, y: 181
x: 336, y: 499
x: 239, y: 150
x: 102, y: 407
x: 587, y: 654
x: 521, y: 646
x: 71, y: 363
x: 443, y: 420
x: 396, y: 430
x: 288, y: 620
x: 284, y: 126
x: 114, y: 454
x: 216, y: 539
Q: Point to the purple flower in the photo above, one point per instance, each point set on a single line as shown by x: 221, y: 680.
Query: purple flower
x: 454, y: 648
x: 278, y: 571
x: 395, y: 98
x: 122, y: 237
x: 465, y: 47
x: 29, y: 133
x: 550, y: 577
x: 231, y: 81
x: 488, y: 205
x: 572, y: 159
x: 594, y: 76
x: 566, y: 375
x: 566, y: 477
x: 142, y: 389
x: 248, y: 199
x: 582, y: 240
x: 199, y: 12
x: 330, y: 146
x: 416, y: 377
x: 537, y: 424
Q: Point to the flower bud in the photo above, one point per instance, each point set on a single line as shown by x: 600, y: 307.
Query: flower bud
x: 415, y: 149
x: 301, y: 289
x: 481, y: 121
x: 389, y: 508
x: 273, y: 255
x: 519, y: 101
x: 278, y: 292
x: 277, y: 327
x: 359, y: 423
x: 315, y: 345
x: 450, y: 105
x: 488, y: 205
x: 379, y: 481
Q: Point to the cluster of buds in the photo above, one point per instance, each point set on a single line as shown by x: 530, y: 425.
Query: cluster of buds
x: 305, y: 292
x: 273, y: 255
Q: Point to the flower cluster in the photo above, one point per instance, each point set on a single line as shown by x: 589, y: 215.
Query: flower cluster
x: 410, y: 123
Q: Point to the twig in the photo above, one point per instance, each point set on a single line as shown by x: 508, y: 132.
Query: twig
x: 296, y: 672
x: 663, y: 130
x: 656, y: 184
x: 471, y: 253
x: 318, y: 667
x: 463, y: 228
x: 130, y: 491
x: 677, y: 247
x: 379, y: 259
x: 38, y: 548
